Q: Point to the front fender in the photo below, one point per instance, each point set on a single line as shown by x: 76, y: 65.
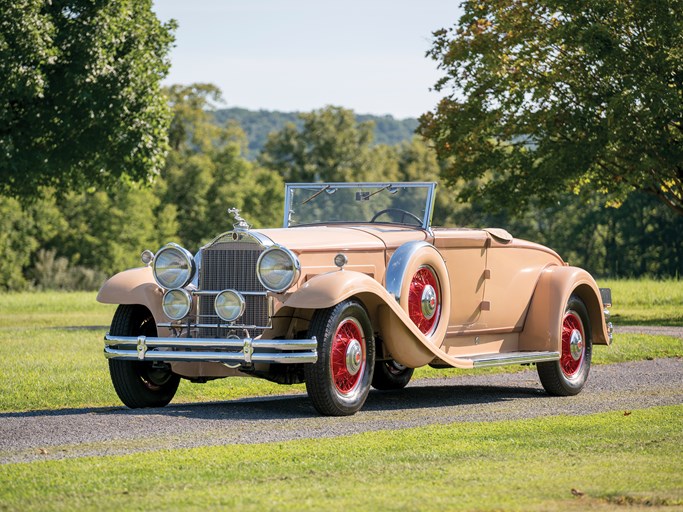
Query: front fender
x: 134, y: 286
x: 404, y: 341
x: 543, y: 325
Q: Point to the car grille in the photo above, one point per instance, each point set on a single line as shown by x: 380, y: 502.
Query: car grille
x: 229, y: 264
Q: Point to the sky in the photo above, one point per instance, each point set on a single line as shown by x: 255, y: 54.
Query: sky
x: 301, y: 55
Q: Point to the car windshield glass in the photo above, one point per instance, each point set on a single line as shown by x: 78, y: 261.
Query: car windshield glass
x: 324, y: 203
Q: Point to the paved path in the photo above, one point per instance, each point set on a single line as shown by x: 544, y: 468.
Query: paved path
x: 83, y: 432
x: 676, y: 332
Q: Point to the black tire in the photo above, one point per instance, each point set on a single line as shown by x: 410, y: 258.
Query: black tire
x: 339, y: 382
x: 139, y: 383
x: 391, y: 375
x: 567, y: 376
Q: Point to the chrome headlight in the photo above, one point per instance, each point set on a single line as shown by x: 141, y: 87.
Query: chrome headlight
x: 229, y: 305
x: 176, y: 303
x: 173, y: 267
x: 278, y: 269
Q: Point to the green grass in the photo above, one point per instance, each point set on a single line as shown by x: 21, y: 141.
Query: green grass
x: 43, y: 365
x: 53, y: 309
x: 646, y: 301
x: 611, y: 459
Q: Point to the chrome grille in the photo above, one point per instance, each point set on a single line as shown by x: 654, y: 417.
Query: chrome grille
x: 230, y: 263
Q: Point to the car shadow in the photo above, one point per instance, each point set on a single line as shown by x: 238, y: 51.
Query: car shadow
x: 299, y: 406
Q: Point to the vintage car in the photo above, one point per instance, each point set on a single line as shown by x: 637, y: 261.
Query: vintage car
x: 356, y: 290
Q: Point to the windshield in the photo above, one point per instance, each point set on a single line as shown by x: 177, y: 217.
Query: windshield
x: 407, y: 204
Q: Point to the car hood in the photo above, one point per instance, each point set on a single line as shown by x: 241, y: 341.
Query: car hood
x: 343, y: 238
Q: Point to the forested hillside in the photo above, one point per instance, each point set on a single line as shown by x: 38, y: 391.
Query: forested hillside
x: 259, y: 124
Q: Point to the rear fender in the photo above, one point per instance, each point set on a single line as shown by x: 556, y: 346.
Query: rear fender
x: 543, y: 325
x: 134, y: 286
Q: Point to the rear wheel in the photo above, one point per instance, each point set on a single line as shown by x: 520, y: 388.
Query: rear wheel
x: 140, y: 383
x: 339, y: 382
x: 391, y: 375
x: 567, y: 376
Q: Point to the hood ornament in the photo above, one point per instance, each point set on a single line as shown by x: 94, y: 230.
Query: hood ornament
x: 239, y: 223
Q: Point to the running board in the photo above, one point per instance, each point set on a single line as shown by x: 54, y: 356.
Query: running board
x: 486, y: 360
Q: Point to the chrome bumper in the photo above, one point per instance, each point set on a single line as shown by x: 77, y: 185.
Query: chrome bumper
x: 232, y: 350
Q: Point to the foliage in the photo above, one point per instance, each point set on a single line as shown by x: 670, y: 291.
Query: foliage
x: 555, y: 463
x: 330, y: 146
x: 548, y: 97
x: 80, y: 102
x: 258, y: 125
x: 206, y: 173
x: 50, y: 272
x: 16, y: 242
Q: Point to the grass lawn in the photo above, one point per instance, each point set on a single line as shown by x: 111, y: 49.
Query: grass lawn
x: 646, y: 301
x: 596, y: 462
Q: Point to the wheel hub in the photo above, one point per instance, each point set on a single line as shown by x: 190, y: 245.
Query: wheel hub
x: 354, y: 356
x: 428, y: 301
x: 576, y: 344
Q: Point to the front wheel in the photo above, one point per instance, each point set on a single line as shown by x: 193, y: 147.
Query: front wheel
x: 140, y: 383
x: 339, y: 382
x: 567, y: 376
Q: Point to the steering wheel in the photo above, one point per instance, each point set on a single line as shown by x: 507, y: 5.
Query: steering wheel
x: 403, y: 213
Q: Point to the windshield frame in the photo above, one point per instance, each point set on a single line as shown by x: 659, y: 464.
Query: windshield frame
x: 379, y: 186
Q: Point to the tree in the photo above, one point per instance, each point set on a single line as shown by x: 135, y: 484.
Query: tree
x: 554, y: 96
x: 80, y: 101
x: 206, y: 172
x: 330, y: 146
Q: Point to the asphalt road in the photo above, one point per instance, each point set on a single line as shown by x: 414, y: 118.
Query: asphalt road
x: 83, y: 432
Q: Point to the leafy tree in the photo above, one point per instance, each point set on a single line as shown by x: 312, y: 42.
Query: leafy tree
x: 554, y: 96
x: 330, y: 146
x: 108, y: 230
x: 80, y: 101
x: 16, y: 243
x: 206, y: 172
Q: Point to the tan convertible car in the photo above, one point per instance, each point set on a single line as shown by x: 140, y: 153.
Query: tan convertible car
x: 356, y: 290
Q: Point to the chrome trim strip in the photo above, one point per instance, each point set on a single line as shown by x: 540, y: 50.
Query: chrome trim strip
x: 185, y: 349
x: 193, y: 343
x: 397, y: 266
x: 228, y: 236
x: 170, y: 325
x: 488, y: 360
x: 232, y: 357
x: 206, y: 293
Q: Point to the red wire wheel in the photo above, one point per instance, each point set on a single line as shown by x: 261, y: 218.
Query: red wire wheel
x: 348, y: 356
x: 573, y: 344
x: 424, y: 299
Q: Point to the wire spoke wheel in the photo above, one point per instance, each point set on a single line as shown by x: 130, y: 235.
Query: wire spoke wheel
x: 339, y: 382
x: 568, y: 375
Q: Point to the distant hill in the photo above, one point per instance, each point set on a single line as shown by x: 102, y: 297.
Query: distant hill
x: 259, y: 123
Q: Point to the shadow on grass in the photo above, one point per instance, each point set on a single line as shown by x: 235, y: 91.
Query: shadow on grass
x: 299, y: 406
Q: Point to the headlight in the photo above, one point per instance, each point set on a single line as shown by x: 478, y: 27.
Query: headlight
x: 278, y: 269
x: 173, y: 267
x: 229, y: 305
x: 176, y: 303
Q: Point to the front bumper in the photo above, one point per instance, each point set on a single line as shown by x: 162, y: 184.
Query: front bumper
x: 231, y: 350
